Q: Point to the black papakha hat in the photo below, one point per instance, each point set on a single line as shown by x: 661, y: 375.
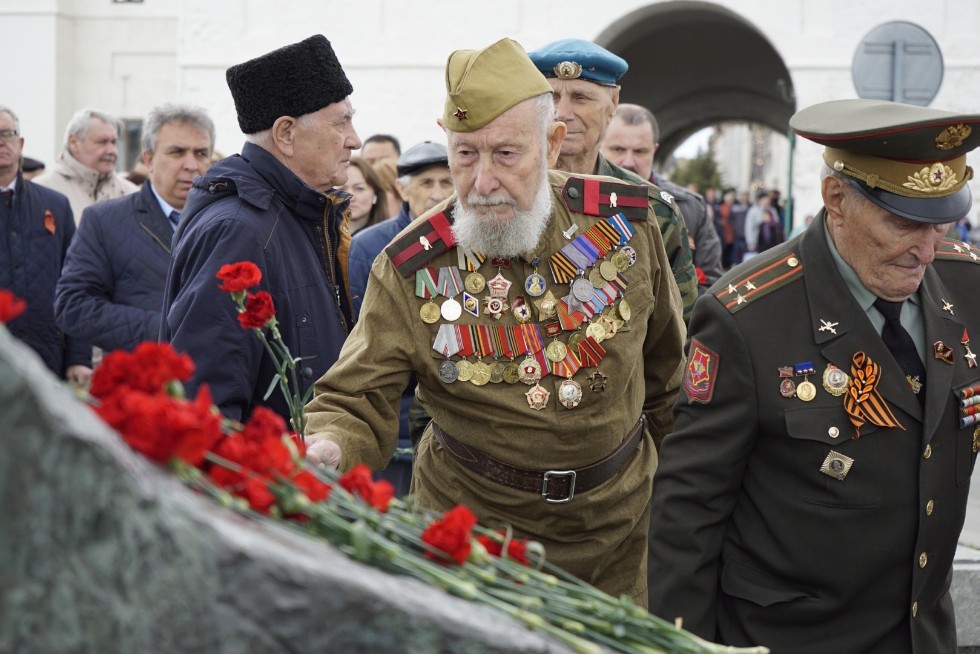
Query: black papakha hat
x: 292, y: 81
x: 909, y: 160
x: 421, y: 156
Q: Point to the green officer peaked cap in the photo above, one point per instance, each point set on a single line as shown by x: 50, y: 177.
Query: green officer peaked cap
x: 909, y: 160
x: 482, y: 84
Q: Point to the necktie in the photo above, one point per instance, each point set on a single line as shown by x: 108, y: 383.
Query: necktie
x: 6, y: 197
x: 902, y: 346
x: 174, y: 218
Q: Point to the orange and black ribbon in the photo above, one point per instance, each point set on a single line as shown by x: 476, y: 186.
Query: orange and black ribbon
x: 862, y: 401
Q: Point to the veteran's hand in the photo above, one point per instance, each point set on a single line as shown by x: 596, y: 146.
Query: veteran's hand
x: 78, y: 375
x: 322, y: 452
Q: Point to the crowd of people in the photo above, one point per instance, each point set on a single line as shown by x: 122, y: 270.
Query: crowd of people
x: 528, y: 319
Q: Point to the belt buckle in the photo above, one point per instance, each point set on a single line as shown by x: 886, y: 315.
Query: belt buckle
x: 558, y: 473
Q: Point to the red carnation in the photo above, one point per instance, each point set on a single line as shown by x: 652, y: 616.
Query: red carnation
x: 314, y: 489
x: 516, y: 548
x: 148, y: 369
x: 451, y: 534
x: 11, y: 306
x: 259, y: 310
x: 358, y: 481
x: 237, y: 277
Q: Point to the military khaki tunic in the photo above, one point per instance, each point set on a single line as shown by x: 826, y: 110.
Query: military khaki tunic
x: 600, y: 535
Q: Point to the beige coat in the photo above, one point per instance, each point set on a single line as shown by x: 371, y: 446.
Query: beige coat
x: 82, y: 185
x: 600, y: 535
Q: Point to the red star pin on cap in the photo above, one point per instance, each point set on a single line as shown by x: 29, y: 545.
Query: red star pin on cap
x: 460, y: 113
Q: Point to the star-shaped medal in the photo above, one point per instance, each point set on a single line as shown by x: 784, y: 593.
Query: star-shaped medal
x: 597, y: 382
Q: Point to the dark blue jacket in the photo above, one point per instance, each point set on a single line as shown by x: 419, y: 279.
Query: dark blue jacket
x: 111, y: 290
x: 32, y: 252
x: 250, y: 207
x: 365, y: 246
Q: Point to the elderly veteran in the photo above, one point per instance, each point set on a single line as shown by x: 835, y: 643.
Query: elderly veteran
x: 585, y: 81
x: 544, y: 327
x: 277, y: 206
x: 811, y: 495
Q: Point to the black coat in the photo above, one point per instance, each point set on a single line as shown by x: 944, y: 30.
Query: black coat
x: 111, y: 291
x: 32, y: 251
x: 751, y: 543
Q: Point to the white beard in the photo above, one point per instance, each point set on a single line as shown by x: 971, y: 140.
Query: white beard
x: 484, y: 233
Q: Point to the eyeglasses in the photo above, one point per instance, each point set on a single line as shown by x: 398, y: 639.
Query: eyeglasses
x: 8, y: 134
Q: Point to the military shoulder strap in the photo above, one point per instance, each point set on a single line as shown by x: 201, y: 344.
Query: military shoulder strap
x: 759, y: 280
x: 597, y: 197
x: 421, y: 243
x: 950, y: 250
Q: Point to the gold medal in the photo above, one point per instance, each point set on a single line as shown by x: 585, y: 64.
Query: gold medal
x: 556, y: 351
x: 624, y: 310
x: 481, y: 374
x: 806, y: 391
x: 430, y: 312
x: 512, y: 373
x: 609, y: 326
x: 835, y: 380
x: 464, y: 370
x: 596, y: 331
x: 608, y: 271
x: 547, y: 306
x: 475, y: 283
x: 496, y: 372
x: 574, y: 339
x: 621, y: 261
x: 596, y: 278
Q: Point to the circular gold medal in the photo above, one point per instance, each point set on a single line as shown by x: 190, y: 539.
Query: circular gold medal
x: 556, y: 351
x: 806, y: 391
x: 835, y: 380
x: 574, y: 339
x: 512, y: 373
x: 624, y: 310
x: 608, y: 271
x: 596, y: 278
x: 596, y: 331
x: 496, y: 372
x: 475, y: 283
x: 464, y: 370
x: 430, y: 312
x: 609, y: 326
x: 481, y: 373
x: 621, y: 260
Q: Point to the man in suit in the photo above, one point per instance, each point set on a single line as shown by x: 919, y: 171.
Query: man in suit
x: 111, y: 291
x: 812, y: 492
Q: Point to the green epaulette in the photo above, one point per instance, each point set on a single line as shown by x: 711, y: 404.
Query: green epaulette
x: 760, y: 280
x: 597, y: 197
x: 950, y: 250
x: 422, y: 243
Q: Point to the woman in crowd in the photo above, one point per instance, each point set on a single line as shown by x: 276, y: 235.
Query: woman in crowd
x: 368, y: 204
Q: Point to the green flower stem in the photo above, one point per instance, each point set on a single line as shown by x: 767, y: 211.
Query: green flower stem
x: 284, y: 363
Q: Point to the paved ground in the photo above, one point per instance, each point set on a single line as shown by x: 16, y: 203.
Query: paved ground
x: 971, y: 530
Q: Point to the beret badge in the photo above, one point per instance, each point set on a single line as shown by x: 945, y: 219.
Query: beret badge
x: 568, y: 70
x: 953, y: 136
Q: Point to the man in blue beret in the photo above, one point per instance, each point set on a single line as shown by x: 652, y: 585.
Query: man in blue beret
x: 585, y: 80
x: 811, y: 494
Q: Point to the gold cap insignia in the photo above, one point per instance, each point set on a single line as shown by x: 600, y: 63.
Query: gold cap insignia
x: 953, y: 136
x: 836, y: 465
x: 568, y: 70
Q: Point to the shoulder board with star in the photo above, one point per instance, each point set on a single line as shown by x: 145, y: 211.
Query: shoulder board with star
x: 757, y: 281
x: 423, y: 242
x: 950, y: 250
x: 601, y: 196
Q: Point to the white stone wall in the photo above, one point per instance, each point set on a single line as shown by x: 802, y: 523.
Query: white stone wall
x: 60, y: 55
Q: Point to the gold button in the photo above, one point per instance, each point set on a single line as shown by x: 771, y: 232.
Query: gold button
x: 930, y: 505
x: 915, y: 608
x: 928, y: 452
x: 923, y: 559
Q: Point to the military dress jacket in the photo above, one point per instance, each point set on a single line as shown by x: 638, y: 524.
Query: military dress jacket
x: 772, y: 522
x: 599, y: 535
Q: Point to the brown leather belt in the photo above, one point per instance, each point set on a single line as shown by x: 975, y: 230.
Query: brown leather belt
x: 555, y: 486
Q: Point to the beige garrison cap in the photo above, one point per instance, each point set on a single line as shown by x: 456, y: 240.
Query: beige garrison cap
x: 909, y: 160
x: 482, y: 84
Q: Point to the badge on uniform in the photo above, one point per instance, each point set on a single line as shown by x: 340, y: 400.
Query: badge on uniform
x: 700, y: 373
x: 836, y: 465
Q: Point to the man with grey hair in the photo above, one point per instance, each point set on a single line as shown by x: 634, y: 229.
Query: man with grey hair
x: 111, y: 291
x: 85, y: 171
x: 37, y: 230
x: 630, y: 142
x: 278, y: 205
x: 546, y: 393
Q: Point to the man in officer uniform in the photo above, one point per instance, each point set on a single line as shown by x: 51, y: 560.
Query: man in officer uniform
x: 544, y: 327
x: 584, y: 78
x: 811, y: 495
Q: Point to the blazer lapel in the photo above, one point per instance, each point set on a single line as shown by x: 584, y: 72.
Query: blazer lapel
x: 840, y: 326
x: 940, y: 327
x: 152, y: 220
